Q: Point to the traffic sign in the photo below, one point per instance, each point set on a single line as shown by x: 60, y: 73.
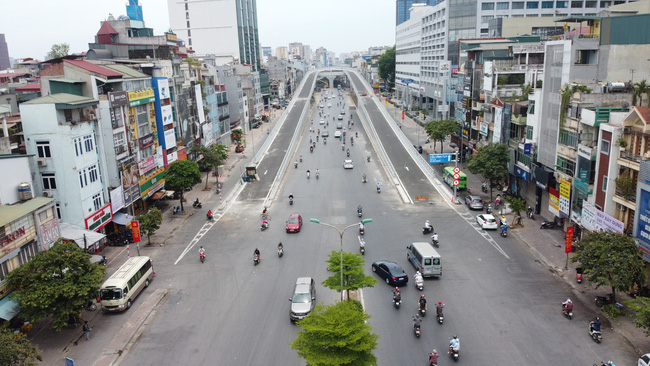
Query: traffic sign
x: 456, y: 176
x: 456, y: 182
x: 456, y: 170
x: 440, y: 158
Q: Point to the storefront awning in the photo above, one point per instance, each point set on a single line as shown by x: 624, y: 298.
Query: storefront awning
x: 8, y: 308
x: 75, y: 233
x: 122, y: 219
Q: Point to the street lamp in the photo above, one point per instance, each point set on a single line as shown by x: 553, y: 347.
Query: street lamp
x: 317, y: 221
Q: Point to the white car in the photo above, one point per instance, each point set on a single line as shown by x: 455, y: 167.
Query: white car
x: 329, y: 105
x: 347, y: 164
x: 340, y: 117
x: 644, y: 360
x: 321, y: 106
x: 322, y: 122
x: 337, y: 134
x: 343, y: 111
x: 486, y: 221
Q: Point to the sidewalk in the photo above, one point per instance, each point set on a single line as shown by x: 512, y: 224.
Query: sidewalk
x: 56, y: 346
x: 547, y: 245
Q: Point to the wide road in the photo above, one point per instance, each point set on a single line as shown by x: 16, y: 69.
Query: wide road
x: 502, y: 303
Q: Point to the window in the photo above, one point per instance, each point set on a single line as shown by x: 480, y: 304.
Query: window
x: 566, y: 166
x: 604, y: 147
x: 89, y: 143
x: 547, y: 5
x: 118, y: 139
x: 591, y: 4
x: 560, y: 4
x: 586, y: 57
x: 529, y: 132
x: 49, y: 180
x: 43, y: 149
x: 487, y: 6
x: 486, y: 18
x: 4, y: 270
x: 518, y: 5
x: 142, y: 120
x: 576, y: 4
x: 78, y: 147
x: 604, y: 183
x: 531, y: 107
x: 605, y: 4
x: 83, y: 179
x: 97, y: 201
x: 27, y: 252
x: 532, y: 5
x: 568, y: 138
x: 93, y: 174
x: 57, y: 209
x: 503, y: 6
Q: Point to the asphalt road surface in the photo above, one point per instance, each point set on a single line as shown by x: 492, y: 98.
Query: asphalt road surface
x: 502, y: 303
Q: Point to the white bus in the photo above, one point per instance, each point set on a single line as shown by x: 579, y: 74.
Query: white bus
x: 118, y: 292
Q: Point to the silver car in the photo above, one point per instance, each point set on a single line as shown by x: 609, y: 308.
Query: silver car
x: 304, y: 296
x: 474, y: 202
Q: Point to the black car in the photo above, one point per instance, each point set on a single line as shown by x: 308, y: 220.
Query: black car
x: 391, y: 272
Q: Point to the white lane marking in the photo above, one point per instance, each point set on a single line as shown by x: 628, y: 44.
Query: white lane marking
x: 265, y: 172
x: 407, y: 168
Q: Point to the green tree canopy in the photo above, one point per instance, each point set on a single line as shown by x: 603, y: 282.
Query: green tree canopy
x: 642, y: 317
x: 150, y: 222
x: 58, y: 50
x: 386, y: 67
x: 610, y: 259
x: 517, y: 205
x: 640, y: 88
x: 354, y: 276
x: 17, y: 351
x: 439, y: 130
x: 490, y: 161
x: 335, y: 335
x: 59, y: 282
x: 181, y: 175
x: 212, y: 157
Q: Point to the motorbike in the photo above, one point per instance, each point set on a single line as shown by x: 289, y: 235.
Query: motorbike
x: 568, y: 314
x: 317, y: 175
x: 290, y: 201
x: 604, y: 300
x: 596, y: 335
x: 488, y: 209
x: 419, y: 283
x: 434, y: 241
x: 396, y: 302
x: 416, y: 330
x: 197, y: 204
x: 359, y: 213
x: 363, y: 179
x: 307, y: 175
x: 362, y: 249
x: 368, y: 158
x: 579, y: 271
x: 439, y: 317
x: 280, y: 252
x: 484, y: 187
x: 209, y: 217
x: 548, y: 225
x: 264, y: 226
x: 202, y: 256
x: 311, y: 149
x: 295, y: 165
x: 427, y: 230
x: 378, y: 190
x: 348, y: 154
x: 362, y: 229
x: 504, y: 230
x: 454, y: 354
x: 530, y: 213
x: 256, y: 259
x: 301, y: 158
x: 351, y: 142
x: 422, y: 310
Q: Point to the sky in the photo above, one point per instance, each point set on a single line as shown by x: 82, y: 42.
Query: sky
x: 31, y: 27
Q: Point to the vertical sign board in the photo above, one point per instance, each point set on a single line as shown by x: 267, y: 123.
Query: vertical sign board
x: 135, y: 229
x: 569, y: 239
x: 554, y: 201
x: 643, y: 226
x: 565, y: 196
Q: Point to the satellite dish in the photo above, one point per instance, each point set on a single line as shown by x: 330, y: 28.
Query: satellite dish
x: 625, y: 105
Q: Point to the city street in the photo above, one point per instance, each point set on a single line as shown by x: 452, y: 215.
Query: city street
x: 503, y: 304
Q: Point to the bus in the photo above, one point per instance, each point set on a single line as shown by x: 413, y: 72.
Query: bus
x: 117, y: 292
x: 448, y: 177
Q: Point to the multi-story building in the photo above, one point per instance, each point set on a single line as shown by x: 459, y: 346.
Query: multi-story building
x: 226, y: 29
x: 402, y: 8
x: 282, y: 53
x: 4, y: 53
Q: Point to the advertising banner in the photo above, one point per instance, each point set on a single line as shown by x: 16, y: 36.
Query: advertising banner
x: 146, y: 165
x: 170, y: 139
x: 569, y: 239
x: 565, y: 197
x: 141, y: 97
x: 594, y: 219
x: 145, y: 141
x: 117, y: 198
x: 483, y: 128
x: 100, y: 218
x: 135, y: 231
x: 166, y: 113
x: 130, y: 176
x: 498, y: 118
x: 643, y: 226
x: 199, y: 103
x: 151, y: 184
x: 163, y: 88
x: 118, y: 99
x: 554, y: 201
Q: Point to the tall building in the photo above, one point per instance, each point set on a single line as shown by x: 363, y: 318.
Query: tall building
x: 402, y: 9
x: 4, y: 53
x: 224, y: 28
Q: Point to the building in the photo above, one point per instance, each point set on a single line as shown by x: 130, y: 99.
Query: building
x: 5, y: 64
x: 226, y: 29
x: 402, y: 8
x: 282, y: 53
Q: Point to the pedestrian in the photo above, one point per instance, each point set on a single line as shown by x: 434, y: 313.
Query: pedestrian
x: 87, y: 329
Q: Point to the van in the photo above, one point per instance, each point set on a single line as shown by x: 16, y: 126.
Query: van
x: 425, y: 259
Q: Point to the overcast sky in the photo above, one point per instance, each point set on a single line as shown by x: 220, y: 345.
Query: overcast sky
x: 31, y: 27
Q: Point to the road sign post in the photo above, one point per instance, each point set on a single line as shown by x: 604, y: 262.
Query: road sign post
x: 456, y: 181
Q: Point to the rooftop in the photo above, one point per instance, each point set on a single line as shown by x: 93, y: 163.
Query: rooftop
x: 15, y: 212
x: 64, y: 101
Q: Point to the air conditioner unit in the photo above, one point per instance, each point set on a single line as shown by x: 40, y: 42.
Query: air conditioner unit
x: 42, y: 162
x: 627, y: 129
x: 621, y: 207
x: 47, y: 193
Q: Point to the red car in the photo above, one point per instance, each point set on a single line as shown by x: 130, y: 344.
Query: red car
x: 294, y: 223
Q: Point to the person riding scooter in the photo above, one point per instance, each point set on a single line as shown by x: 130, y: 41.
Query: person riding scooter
x: 595, y: 325
x: 433, y: 358
x: 439, y: 308
x: 454, y: 345
x: 397, y: 296
x: 422, y: 303
x: 209, y: 215
x: 567, y: 306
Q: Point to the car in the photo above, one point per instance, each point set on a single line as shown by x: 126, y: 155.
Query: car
x: 474, y: 202
x: 303, y: 298
x: 321, y: 106
x: 294, y: 223
x: 337, y: 134
x: 343, y: 111
x: 339, y: 126
x: 347, y: 164
x: 325, y: 133
x: 329, y: 105
x: 486, y: 221
x: 340, y: 117
x: 644, y: 360
x: 322, y: 121
x: 391, y: 272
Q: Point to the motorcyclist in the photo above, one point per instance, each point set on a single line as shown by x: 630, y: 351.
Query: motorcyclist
x: 356, y: 134
x: 497, y: 200
x: 290, y: 197
x: 567, y: 306
x: 417, y: 321
x: 397, y: 296
x: 417, y: 277
x: 364, y: 177
x: 378, y: 187
x: 454, y: 344
x: 361, y: 227
x: 439, y: 307
x: 264, y: 222
x: 504, y: 228
x: 433, y: 358
x: 196, y: 202
x: 359, y: 209
x: 201, y: 252
x: 503, y: 220
x: 209, y: 215
x: 434, y: 237
x: 265, y: 213
x: 295, y: 163
x: 301, y: 158
x: 280, y: 247
x: 422, y: 303
x: 595, y: 325
x: 427, y: 226
x: 362, y: 244
x: 256, y: 254
x: 308, y: 173
x: 317, y: 172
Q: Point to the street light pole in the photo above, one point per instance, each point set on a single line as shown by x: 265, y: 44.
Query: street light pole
x: 316, y: 221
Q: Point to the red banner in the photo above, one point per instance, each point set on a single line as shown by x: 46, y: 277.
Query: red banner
x: 403, y: 114
x: 569, y: 239
x: 135, y: 229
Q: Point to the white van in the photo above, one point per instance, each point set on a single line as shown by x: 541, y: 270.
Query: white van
x: 425, y: 259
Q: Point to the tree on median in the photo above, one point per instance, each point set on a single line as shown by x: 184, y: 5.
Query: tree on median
x: 354, y: 276
x: 150, y: 222
x: 212, y: 157
x: 182, y: 175
x: 17, y: 350
x: 439, y: 130
x: 490, y: 161
x: 610, y: 259
x: 335, y: 335
x: 57, y: 282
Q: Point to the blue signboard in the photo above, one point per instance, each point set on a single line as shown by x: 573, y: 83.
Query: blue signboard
x: 440, y: 158
x: 407, y: 81
x: 522, y: 173
x: 69, y: 361
x: 643, y: 227
x: 527, y: 148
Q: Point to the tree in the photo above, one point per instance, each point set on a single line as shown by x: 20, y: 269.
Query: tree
x: 626, y: 185
x: 17, y: 351
x: 386, y: 67
x: 58, y: 50
x: 150, y: 222
x: 640, y: 88
x: 642, y: 317
x: 213, y: 156
x: 354, y: 277
x: 610, y: 259
x: 439, y: 130
x: 517, y: 205
x: 236, y: 136
x: 490, y: 161
x: 181, y: 175
x: 336, y: 334
x: 59, y: 282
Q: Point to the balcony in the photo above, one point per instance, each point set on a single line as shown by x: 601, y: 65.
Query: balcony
x: 519, y: 120
x: 629, y: 160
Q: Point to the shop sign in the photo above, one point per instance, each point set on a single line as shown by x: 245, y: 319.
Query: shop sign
x: 172, y: 157
x: 146, y: 141
x: 527, y: 147
x: 135, y: 231
x: 522, y: 173
x: 118, y: 99
x: 146, y: 165
x: 594, y: 219
x: 150, y: 185
x: 554, y: 201
x: 141, y: 97
x: 643, y: 226
x: 170, y: 139
x: 182, y: 153
x: 565, y: 196
x: 483, y: 128
x: 12, y: 236
x: 100, y: 218
x: 50, y: 233
x: 163, y: 88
